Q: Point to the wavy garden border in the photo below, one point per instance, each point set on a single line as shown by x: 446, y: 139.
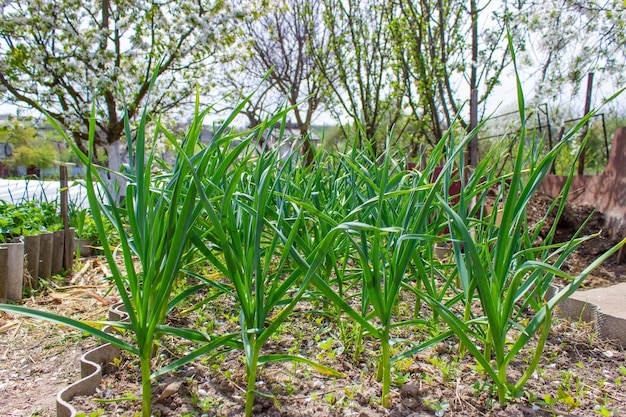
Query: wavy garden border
x: 90, y: 369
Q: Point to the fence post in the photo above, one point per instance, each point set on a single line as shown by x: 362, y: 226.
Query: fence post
x: 581, y: 161
x: 68, y: 239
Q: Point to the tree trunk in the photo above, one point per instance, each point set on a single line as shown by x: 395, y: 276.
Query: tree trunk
x: 473, y: 145
x: 116, y: 184
x: 307, y: 150
x: 585, y: 129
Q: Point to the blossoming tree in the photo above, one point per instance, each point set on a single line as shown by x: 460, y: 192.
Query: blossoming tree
x: 61, y: 56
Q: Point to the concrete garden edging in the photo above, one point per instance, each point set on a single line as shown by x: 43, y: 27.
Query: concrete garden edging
x: 27, y: 259
x: 604, y: 307
x: 58, y: 248
x: 12, y: 265
x: 31, y: 260
x: 46, y: 242
x: 90, y: 369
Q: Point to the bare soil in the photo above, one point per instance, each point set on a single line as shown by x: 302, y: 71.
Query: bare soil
x: 37, y: 358
x: 577, y: 221
x: 579, y: 374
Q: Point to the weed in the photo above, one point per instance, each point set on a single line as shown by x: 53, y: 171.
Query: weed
x: 399, y: 378
x: 479, y: 387
x: 97, y: 413
x: 207, y: 404
x: 444, y: 365
x: 439, y: 407
x: 562, y: 397
x: 289, y: 387
x: 605, y: 412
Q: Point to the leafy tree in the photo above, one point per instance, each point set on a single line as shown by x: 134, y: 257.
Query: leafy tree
x: 419, y: 31
x: 280, y: 42
x: 60, y: 56
x: 442, y: 68
x: 29, y: 147
x: 42, y: 156
x: 571, y: 38
x: 18, y: 132
x: 577, y: 44
x: 355, y: 60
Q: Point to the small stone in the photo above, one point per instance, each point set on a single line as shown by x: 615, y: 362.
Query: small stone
x: 225, y: 387
x: 318, y: 383
x: 191, y: 371
x: 518, y: 410
x: 170, y: 390
x: 442, y: 348
x: 361, y: 399
x: 108, y: 393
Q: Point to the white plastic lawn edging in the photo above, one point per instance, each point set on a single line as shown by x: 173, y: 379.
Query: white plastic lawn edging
x: 90, y: 369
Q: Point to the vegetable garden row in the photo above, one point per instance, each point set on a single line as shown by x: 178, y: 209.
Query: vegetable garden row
x: 354, y: 230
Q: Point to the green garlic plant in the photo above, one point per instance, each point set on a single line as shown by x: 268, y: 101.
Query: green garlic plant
x: 155, y: 224
x: 252, y: 235
x: 501, y: 266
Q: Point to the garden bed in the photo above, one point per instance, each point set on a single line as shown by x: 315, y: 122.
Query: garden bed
x: 343, y: 279
x: 578, y: 374
x: 574, y: 215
